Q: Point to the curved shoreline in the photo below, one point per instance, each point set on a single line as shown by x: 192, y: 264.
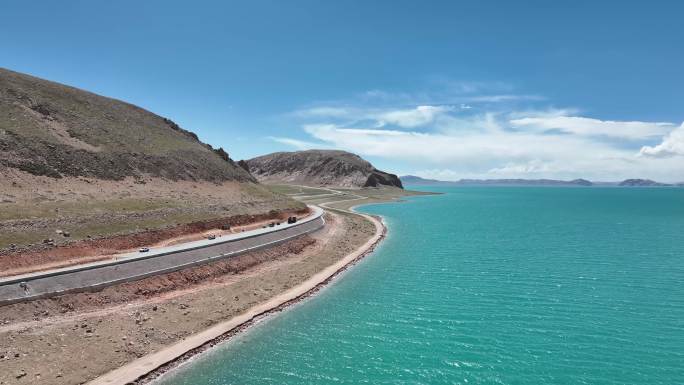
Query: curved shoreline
x: 152, y: 366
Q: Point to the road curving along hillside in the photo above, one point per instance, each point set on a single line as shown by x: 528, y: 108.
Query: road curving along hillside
x: 135, y: 266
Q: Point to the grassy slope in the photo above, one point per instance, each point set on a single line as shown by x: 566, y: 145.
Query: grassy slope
x: 51, y: 129
x: 92, y: 165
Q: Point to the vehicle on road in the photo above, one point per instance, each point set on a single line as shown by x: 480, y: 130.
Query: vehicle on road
x: 211, y: 237
x: 144, y: 249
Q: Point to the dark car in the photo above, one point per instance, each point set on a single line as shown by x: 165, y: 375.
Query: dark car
x: 212, y: 236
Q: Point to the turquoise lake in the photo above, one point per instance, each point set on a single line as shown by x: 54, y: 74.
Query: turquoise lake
x: 493, y: 285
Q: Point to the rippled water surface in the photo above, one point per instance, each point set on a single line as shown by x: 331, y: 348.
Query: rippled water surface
x: 488, y: 286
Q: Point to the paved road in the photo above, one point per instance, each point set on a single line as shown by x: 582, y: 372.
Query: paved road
x: 135, y: 266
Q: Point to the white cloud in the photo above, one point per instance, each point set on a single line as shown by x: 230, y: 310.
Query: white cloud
x: 325, y: 112
x: 438, y: 173
x: 672, y: 145
x: 456, y: 124
x: 439, y: 148
x: 546, y: 113
x: 402, y: 117
x: 501, y: 98
x: 299, y: 144
x: 594, y: 127
x: 411, y: 118
x: 500, y: 153
x: 449, y: 118
x: 456, y: 141
x: 534, y: 166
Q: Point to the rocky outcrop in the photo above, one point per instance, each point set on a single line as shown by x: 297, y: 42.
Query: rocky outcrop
x: 243, y: 164
x: 378, y: 178
x: 320, y: 168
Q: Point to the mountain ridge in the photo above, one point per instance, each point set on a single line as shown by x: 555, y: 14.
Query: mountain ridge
x: 416, y: 180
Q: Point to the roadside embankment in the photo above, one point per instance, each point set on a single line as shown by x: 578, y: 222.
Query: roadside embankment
x: 135, y: 266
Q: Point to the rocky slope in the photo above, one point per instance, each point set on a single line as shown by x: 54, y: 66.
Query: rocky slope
x: 81, y: 169
x: 320, y: 168
x: 55, y: 130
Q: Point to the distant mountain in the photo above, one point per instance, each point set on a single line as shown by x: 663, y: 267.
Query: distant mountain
x: 581, y: 182
x: 525, y: 182
x: 54, y: 130
x: 641, y: 183
x: 415, y: 180
x: 319, y: 168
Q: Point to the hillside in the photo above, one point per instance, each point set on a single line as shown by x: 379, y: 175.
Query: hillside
x: 55, y: 130
x: 320, y: 168
x: 84, y: 174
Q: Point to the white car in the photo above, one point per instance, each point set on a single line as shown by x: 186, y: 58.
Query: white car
x: 144, y: 249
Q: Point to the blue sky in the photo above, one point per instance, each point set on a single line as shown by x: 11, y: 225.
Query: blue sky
x: 446, y: 89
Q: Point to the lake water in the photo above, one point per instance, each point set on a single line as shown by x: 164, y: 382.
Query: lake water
x: 491, y: 285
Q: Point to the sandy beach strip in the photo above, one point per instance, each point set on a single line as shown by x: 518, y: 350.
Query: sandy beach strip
x: 153, y: 365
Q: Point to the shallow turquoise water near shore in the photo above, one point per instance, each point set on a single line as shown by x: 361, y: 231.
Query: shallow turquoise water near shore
x: 488, y: 286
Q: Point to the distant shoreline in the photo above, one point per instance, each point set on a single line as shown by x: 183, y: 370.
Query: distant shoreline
x: 151, y: 367
x: 411, y: 180
x: 595, y: 186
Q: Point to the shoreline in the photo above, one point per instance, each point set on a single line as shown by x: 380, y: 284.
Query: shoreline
x: 151, y: 367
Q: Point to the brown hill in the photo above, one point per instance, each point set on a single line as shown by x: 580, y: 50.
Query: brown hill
x: 55, y: 130
x: 320, y: 168
x: 79, y: 170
